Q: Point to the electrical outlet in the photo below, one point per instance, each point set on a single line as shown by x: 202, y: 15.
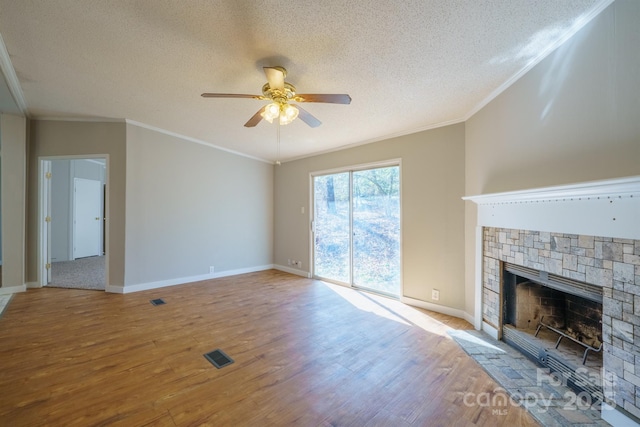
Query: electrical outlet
x: 299, y: 264
x: 435, y: 294
x: 211, y: 269
x: 289, y: 261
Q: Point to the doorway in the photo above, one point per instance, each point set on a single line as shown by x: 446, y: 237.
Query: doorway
x: 73, y: 219
x: 356, y: 228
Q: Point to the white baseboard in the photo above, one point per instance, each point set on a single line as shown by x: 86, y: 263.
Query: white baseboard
x: 4, y: 290
x: 435, y: 307
x: 182, y: 280
x: 616, y: 418
x: 33, y: 285
x: 292, y: 271
x: 471, y: 319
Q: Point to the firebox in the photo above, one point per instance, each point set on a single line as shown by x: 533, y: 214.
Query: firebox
x: 556, y: 322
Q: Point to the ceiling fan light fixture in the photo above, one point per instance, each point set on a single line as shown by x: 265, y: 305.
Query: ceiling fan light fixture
x: 271, y: 111
x: 289, y: 114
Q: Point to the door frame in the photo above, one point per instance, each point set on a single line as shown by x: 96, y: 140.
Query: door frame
x: 352, y: 168
x: 43, y: 206
x: 44, y: 222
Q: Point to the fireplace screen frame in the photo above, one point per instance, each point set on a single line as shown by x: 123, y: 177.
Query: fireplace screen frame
x: 514, y: 275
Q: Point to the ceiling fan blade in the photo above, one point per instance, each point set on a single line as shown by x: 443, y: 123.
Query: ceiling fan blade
x: 275, y: 77
x: 256, y: 118
x: 306, y: 117
x: 230, y: 95
x: 335, y: 98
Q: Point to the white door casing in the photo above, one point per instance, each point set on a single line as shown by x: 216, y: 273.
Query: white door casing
x: 45, y: 220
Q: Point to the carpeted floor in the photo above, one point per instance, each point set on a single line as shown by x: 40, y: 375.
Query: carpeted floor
x: 83, y: 273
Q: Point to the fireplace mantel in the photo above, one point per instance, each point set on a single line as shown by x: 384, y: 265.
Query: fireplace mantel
x: 598, y: 208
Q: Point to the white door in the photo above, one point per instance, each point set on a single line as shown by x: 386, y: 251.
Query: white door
x: 87, y: 217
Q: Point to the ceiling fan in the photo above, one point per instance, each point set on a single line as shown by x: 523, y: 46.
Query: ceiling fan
x: 280, y: 93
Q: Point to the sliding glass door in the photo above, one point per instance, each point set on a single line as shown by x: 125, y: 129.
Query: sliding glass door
x: 357, y: 228
x: 332, y: 254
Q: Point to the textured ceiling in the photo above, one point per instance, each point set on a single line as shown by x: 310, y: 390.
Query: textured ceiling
x: 408, y: 65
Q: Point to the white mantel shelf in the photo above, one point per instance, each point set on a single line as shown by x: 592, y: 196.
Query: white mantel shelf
x: 607, y: 208
x: 612, y: 188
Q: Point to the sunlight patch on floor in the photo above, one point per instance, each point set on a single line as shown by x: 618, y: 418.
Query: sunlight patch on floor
x: 479, y: 342
x: 390, y: 309
x: 364, y: 302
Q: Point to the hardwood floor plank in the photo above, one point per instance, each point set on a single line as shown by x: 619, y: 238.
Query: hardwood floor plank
x: 305, y: 353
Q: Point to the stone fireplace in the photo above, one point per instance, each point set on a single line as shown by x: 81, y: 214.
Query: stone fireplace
x: 567, y: 258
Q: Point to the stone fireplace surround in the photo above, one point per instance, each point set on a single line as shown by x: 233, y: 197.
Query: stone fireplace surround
x: 588, y: 232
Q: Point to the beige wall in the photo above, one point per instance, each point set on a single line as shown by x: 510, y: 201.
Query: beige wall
x: 13, y: 137
x: 574, y: 117
x: 190, y: 206
x: 58, y: 138
x: 432, y: 211
x: 187, y: 206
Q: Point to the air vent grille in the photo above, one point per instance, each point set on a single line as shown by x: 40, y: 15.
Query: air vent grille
x: 218, y: 358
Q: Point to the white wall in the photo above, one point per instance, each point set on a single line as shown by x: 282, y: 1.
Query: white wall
x: 574, y: 117
x: 191, y: 206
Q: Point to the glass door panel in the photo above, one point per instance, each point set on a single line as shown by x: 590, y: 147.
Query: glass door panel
x: 376, y: 230
x: 332, y: 245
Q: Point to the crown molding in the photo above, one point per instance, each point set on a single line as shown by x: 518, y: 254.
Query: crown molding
x: 378, y: 139
x: 78, y: 119
x: 197, y: 141
x: 12, y: 79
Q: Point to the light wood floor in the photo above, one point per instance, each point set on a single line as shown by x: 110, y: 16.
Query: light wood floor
x: 306, y: 354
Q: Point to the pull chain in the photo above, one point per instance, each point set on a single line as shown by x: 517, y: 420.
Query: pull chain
x: 278, y: 144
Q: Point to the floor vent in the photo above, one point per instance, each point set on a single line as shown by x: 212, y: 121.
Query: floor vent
x: 158, y: 301
x: 218, y: 358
